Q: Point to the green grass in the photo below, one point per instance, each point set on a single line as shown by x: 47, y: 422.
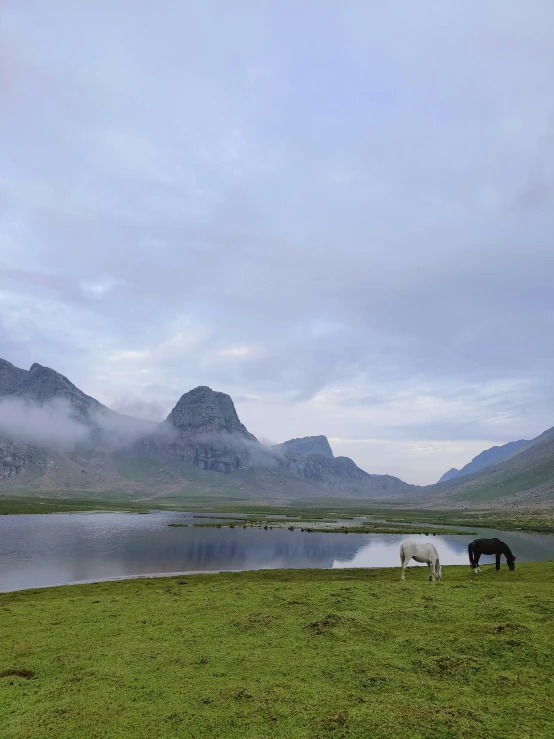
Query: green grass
x: 283, y: 653
x: 509, y: 482
x: 153, y: 473
x: 27, y: 504
x: 538, y: 521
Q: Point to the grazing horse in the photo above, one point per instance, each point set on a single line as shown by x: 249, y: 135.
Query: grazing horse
x: 421, y: 552
x: 489, y: 546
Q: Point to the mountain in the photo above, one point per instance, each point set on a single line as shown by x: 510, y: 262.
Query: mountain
x: 42, y: 384
x: 450, y: 475
x: 494, y: 455
x: 55, y: 437
x: 524, y: 478
x: 204, y: 429
x: 67, y: 411
x: 307, y: 445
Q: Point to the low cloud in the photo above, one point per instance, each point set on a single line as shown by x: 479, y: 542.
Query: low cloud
x: 116, y: 430
x: 49, y: 425
x: 53, y: 425
x: 141, y: 409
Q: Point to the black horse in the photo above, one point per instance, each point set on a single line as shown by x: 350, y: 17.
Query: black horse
x: 489, y: 546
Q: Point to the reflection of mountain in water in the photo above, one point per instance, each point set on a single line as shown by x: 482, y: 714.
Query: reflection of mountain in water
x: 54, y: 549
x: 87, y: 547
x: 383, y: 550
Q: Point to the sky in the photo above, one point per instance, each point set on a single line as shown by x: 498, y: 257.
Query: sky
x: 341, y: 214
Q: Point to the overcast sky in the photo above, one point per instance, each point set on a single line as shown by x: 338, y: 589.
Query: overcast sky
x: 342, y: 214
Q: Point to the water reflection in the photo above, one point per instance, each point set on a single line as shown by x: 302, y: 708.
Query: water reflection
x: 39, y: 550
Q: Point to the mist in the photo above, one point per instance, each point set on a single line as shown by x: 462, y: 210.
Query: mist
x: 49, y: 425
x: 53, y: 425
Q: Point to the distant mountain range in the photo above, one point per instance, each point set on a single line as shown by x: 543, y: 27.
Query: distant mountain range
x: 54, y: 437
x: 490, y: 456
x: 518, y: 473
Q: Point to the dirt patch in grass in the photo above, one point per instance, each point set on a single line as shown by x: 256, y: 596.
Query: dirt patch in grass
x: 510, y: 627
x: 28, y: 674
x: 253, y: 620
x: 447, y: 665
x: 325, y: 624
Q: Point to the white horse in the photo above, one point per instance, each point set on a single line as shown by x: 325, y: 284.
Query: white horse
x: 421, y: 552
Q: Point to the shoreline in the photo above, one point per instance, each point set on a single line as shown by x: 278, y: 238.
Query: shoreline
x: 194, y: 573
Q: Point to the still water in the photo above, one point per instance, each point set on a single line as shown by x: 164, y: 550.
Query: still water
x: 55, y: 549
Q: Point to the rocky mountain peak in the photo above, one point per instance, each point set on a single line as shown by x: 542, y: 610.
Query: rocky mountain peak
x: 42, y: 384
x: 209, y: 433
x: 205, y: 411
x: 307, y: 445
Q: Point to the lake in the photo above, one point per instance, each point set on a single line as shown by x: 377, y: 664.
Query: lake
x: 55, y: 549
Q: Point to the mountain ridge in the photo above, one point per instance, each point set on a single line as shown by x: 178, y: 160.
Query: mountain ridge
x: 307, y: 445
x: 488, y: 457
x: 524, y: 478
x: 202, y: 432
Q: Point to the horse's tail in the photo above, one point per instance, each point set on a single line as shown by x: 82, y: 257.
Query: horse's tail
x: 402, y: 555
x: 470, y: 549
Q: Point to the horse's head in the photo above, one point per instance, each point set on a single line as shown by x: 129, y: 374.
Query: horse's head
x: 511, y: 563
x: 439, y: 572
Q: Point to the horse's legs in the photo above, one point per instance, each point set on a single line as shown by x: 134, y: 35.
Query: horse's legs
x: 473, y: 558
x: 431, y: 572
x: 497, y: 562
x: 404, y: 562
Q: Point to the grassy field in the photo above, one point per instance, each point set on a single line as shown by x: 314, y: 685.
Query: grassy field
x: 283, y: 653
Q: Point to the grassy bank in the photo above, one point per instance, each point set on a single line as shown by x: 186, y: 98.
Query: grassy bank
x: 326, y: 528
x: 13, y: 504
x: 540, y: 522
x: 533, y: 521
x: 395, y: 528
x: 283, y: 653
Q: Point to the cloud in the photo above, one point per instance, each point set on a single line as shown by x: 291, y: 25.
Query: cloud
x: 54, y: 425
x: 150, y: 411
x: 50, y: 425
x: 295, y: 200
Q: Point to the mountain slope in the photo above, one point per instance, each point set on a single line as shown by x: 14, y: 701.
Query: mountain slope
x: 485, y: 459
x: 42, y: 385
x: 525, y: 478
x: 68, y: 412
x: 450, y: 475
x: 11, y: 377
